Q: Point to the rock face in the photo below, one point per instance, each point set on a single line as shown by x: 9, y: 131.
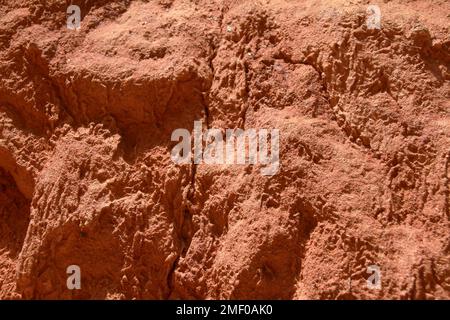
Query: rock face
x: 87, y: 179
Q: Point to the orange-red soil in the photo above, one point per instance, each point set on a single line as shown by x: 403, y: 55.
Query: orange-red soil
x: 86, y: 176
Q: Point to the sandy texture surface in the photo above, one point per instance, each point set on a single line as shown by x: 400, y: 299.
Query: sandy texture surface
x: 87, y: 179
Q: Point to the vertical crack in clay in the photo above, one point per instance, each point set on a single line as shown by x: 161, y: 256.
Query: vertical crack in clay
x: 446, y: 186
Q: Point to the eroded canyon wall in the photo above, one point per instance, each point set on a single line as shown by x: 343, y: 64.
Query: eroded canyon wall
x: 87, y: 179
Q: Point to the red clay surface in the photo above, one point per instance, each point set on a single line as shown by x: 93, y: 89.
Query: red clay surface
x: 86, y: 176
